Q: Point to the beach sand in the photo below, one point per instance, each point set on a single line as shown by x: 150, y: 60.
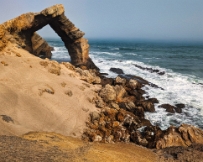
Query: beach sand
x: 37, y: 98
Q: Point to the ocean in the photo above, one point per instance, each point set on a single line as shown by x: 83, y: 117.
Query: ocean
x: 177, y: 68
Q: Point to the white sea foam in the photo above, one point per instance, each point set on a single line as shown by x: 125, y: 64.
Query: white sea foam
x: 132, y: 54
x: 114, y: 48
x: 177, y: 88
x: 107, y: 53
x: 60, y: 53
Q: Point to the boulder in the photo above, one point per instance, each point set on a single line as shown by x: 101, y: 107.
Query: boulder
x: 120, y: 93
x: 148, y: 106
x: 105, y: 81
x: 94, y: 116
x: 134, y: 84
x: 108, y: 93
x: 168, y: 107
x: 117, y: 70
x: 88, y: 76
x: 129, y: 106
x: 99, y: 102
x: 179, y: 107
x: 173, y: 109
x: 120, y: 80
x: 114, y: 105
x: 153, y: 100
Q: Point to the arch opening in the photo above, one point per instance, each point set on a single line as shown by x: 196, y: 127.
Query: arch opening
x: 23, y: 29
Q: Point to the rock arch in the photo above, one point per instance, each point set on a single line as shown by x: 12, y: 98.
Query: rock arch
x: 22, y: 31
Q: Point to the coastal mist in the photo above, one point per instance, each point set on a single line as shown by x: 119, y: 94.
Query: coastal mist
x: 175, y: 71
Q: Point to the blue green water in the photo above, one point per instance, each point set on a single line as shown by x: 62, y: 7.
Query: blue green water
x: 181, y: 64
x: 186, y: 58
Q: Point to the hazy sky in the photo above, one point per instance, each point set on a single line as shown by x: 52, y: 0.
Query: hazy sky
x: 134, y: 19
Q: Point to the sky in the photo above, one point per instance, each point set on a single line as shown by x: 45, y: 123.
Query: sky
x: 119, y: 19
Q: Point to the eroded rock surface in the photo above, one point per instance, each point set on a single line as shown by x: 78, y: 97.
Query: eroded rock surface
x: 21, y: 30
x: 40, y: 47
x: 185, y: 135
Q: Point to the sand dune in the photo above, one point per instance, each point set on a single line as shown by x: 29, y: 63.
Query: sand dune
x: 41, y: 95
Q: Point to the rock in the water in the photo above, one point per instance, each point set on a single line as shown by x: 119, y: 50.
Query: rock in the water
x: 117, y: 70
x: 172, y: 109
x: 180, y: 105
x: 150, y: 69
x: 153, y: 100
x: 168, y: 107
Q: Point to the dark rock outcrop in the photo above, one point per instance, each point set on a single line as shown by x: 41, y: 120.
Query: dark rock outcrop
x: 21, y: 30
x: 168, y: 107
x: 40, y: 47
x: 117, y: 70
x: 173, y: 109
x: 150, y: 70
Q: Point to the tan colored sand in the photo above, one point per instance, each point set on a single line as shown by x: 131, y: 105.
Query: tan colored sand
x: 26, y: 95
x: 78, y: 150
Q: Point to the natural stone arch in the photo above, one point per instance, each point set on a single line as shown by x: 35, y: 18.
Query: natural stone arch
x: 21, y: 30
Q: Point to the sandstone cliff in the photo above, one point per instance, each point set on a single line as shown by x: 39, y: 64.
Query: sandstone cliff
x: 21, y: 30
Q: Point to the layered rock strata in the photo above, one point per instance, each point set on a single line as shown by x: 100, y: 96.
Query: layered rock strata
x: 21, y: 30
x: 40, y: 47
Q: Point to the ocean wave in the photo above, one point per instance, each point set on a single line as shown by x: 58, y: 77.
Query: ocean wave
x: 105, y: 53
x: 131, y: 54
x: 127, y: 49
x: 59, y: 49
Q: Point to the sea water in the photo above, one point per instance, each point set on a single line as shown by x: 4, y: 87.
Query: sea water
x: 181, y: 81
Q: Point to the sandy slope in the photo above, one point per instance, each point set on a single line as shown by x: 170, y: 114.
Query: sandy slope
x: 36, y: 100
x: 48, y: 147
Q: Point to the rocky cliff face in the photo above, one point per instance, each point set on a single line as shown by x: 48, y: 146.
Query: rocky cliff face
x: 21, y: 30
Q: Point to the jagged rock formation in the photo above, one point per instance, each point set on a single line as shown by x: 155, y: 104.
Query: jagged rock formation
x: 185, y: 135
x: 122, y: 118
x: 40, y: 47
x: 21, y: 31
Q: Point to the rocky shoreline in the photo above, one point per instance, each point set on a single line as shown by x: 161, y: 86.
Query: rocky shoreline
x: 76, y: 100
x: 122, y: 117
